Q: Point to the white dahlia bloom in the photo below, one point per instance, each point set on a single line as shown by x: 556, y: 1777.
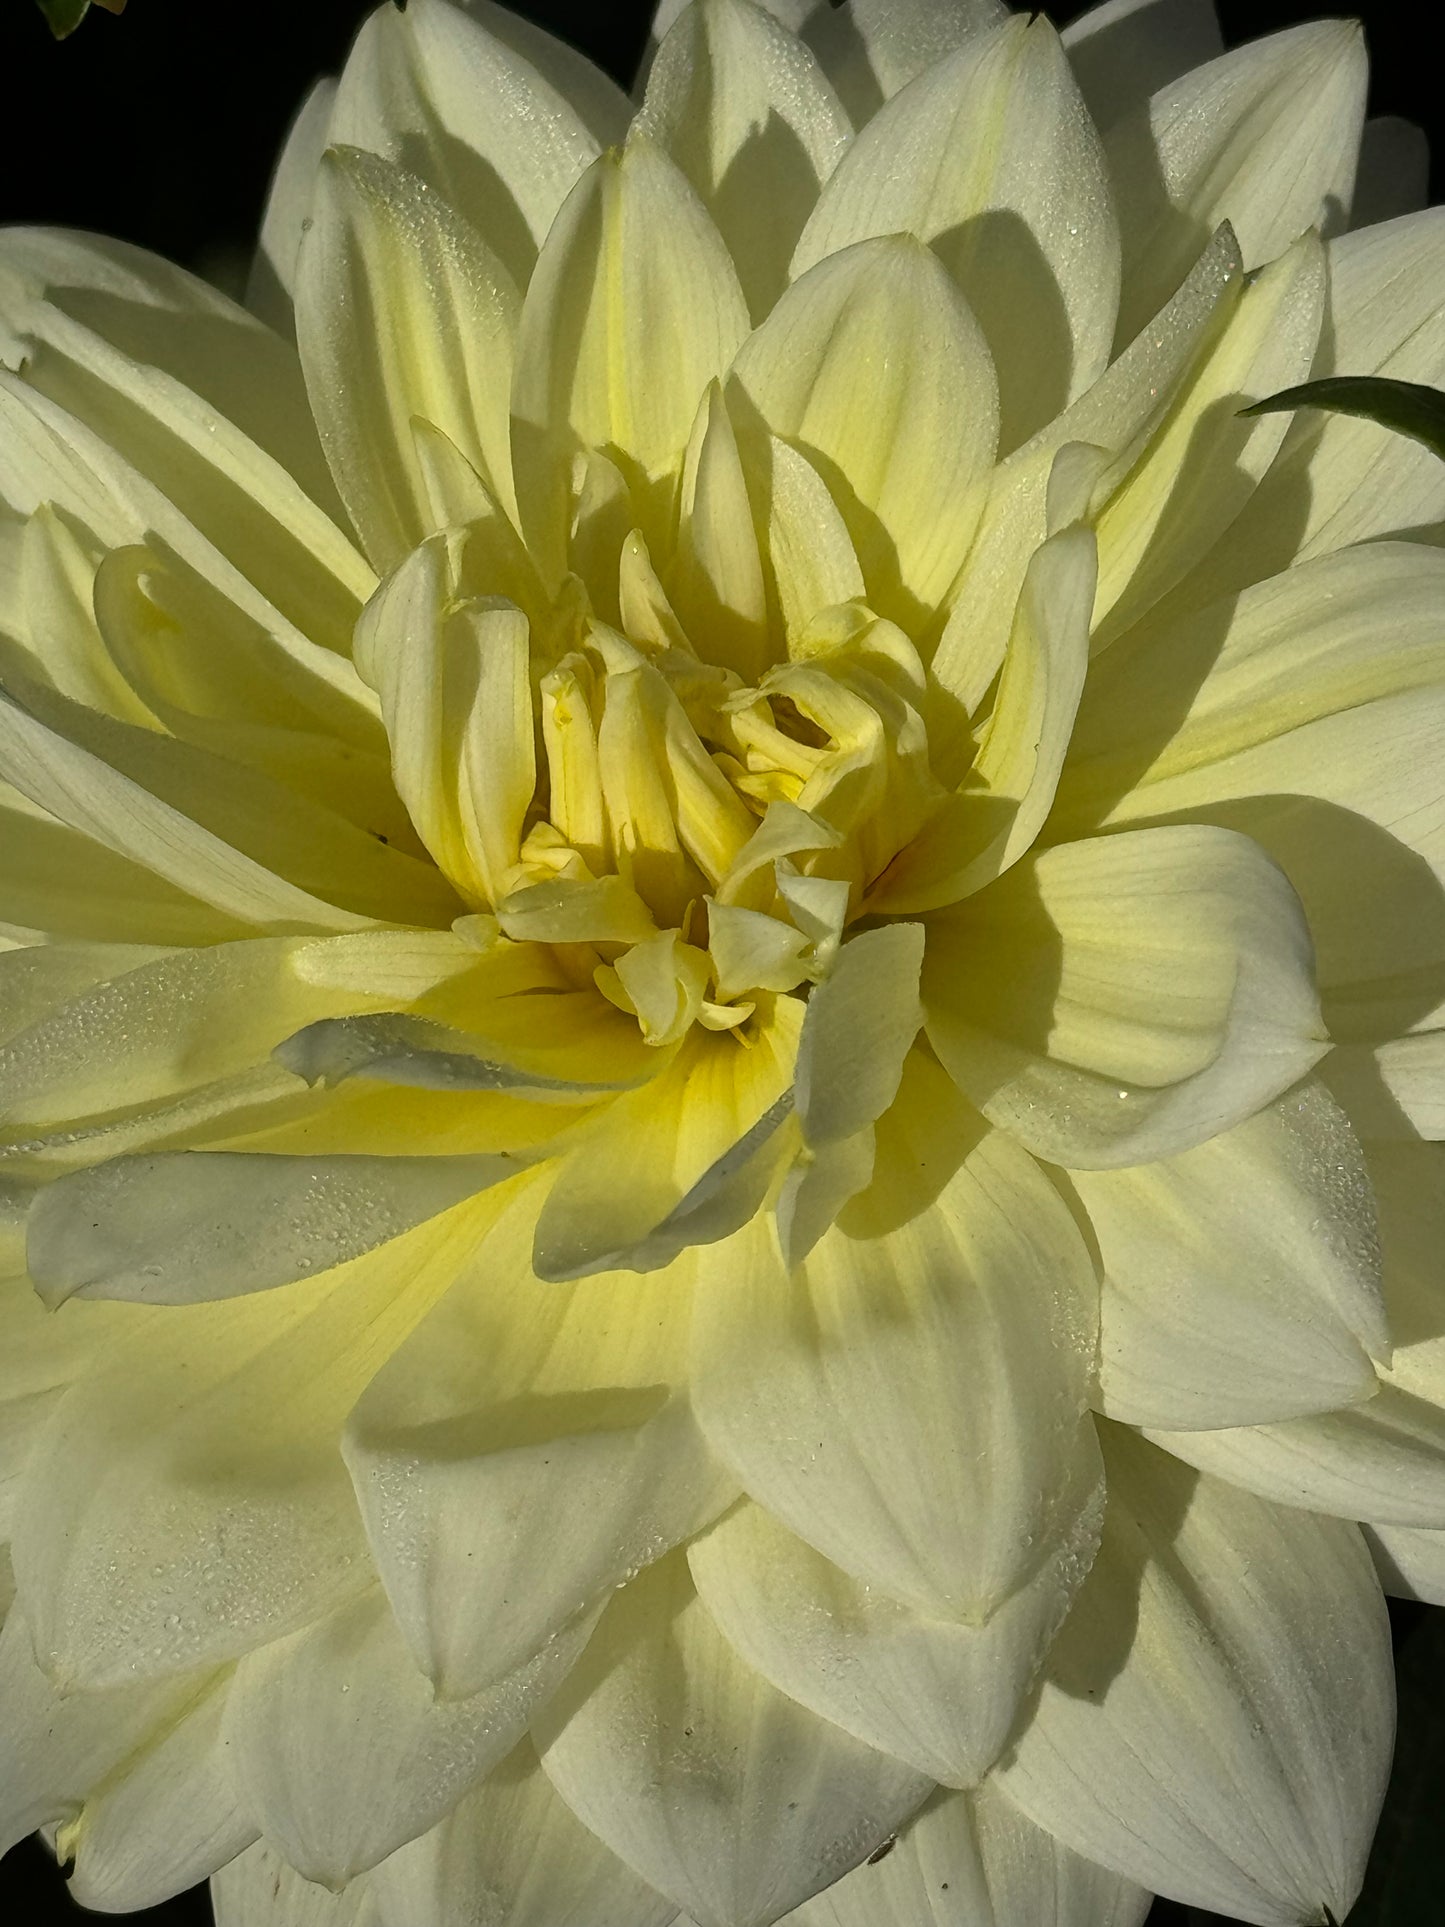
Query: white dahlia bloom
x: 722, y: 989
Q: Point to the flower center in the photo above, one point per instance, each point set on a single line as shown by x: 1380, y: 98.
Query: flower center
x: 694, y: 839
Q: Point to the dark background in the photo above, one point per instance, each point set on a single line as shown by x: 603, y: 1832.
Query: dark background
x: 161, y: 126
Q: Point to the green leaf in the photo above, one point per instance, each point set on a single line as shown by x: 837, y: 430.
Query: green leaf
x: 64, y: 15
x: 1406, y: 406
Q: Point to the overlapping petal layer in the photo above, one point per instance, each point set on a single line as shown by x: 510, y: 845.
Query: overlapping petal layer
x: 723, y: 968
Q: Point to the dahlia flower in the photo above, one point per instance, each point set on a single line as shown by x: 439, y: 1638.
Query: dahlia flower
x: 722, y: 980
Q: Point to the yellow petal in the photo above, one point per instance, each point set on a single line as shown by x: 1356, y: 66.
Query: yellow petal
x: 402, y: 311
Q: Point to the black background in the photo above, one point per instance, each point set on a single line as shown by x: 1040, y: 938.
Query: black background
x: 161, y: 126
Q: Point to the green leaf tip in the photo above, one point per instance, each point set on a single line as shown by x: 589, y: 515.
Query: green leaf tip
x: 64, y: 16
x: 1405, y: 406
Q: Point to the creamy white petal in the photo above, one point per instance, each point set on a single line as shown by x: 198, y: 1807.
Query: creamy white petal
x: 162, y: 1820
x: 452, y: 674
x: 809, y: 562
x: 1022, y: 220
x: 272, y: 280
x: 973, y: 1860
x: 1383, y: 1460
x: 1339, y: 479
x: 633, y: 308
x: 512, y: 1850
x: 670, y: 1164
x: 1410, y: 1561
x: 898, y: 40
x: 720, y: 1792
x: 341, y: 1752
x: 941, y: 1694
x: 988, y: 825
x: 502, y: 117
x: 874, y: 366
x: 401, y: 311
x: 870, y: 48
x: 1119, y: 413
x: 529, y: 1447
x: 182, y: 1226
x: 190, y: 1019
x: 1123, y: 51
x: 1265, y: 137
x: 860, y: 1026
x: 1158, y: 515
x: 717, y: 583
x: 1125, y: 998
x: 258, y: 1889
x: 743, y: 108
x: 154, y: 315
x: 1241, y: 1280
x: 188, y: 1501
x: 54, y: 1748
x: 859, y: 1398
x: 1218, y: 1714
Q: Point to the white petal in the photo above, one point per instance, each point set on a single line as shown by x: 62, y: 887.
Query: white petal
x: 871, y: 48
x: 1160, y: 514
x: 1383, y: 1460
x: 1120, y: 413
x: 1125, y: 50
x: 502, y: 117
x: 1410, y: 1561
x: 223, y: 833
x: 1218, y: 1712
x: 723, y: 1794
x: 1339, y: 479
x: 1241, y: 1279
x: 54, y: 1748
x: 809, y: 562
x: 188, y: 1501
x: 288, y: 208
x: 258, y: 1889
x: 1265, y: 137
x: 186, y: 1020
x: 860, y: 1026
x: 451, y: 671
x: 513, y: 1851
x: 180, y: 1226
x: 858, y: 1399
x: 1126, y: 998
x: 716, y: 584
x: 986, y: 827
x: 342, y: 1752
x: 528, y: 1447
x: 941, y: 1694
x: 672, y: 1163
x: 874, y: 366
x: 163, y: 1820
x: 973, y: 1860
x: 185, y: 389
x: 400, y: 311
x: 1022, y: 219
x: 745, y: 111
x: 633, y: 309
